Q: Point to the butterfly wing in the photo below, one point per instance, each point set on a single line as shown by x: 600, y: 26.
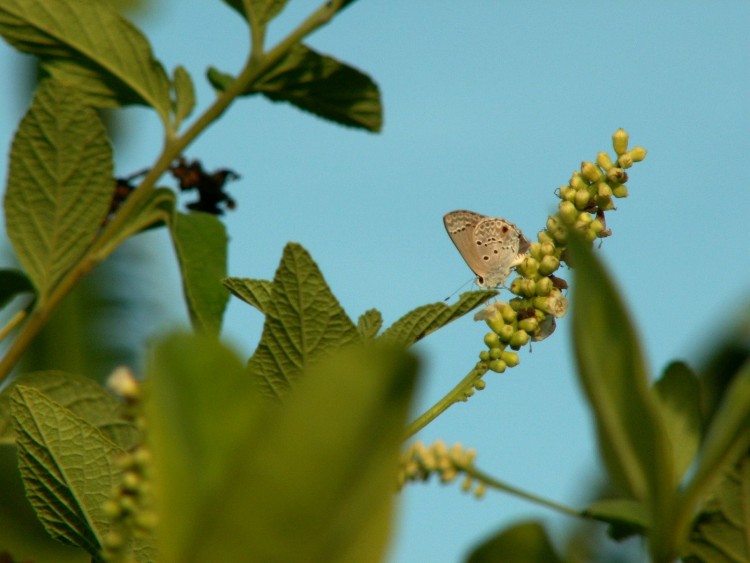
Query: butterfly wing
x: 490, y: 247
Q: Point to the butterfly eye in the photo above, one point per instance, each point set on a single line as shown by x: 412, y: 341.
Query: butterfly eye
x: 480, y: 281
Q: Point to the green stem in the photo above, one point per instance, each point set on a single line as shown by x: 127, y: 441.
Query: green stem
x: 455, y: 395
x: 257, y: 64
x: 499, y: 485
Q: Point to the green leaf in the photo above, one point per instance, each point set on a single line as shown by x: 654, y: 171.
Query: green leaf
x: 13, y: 282
x: 369, y: 323
x: 319, y: 84
x: 612, y: 372
x: 426, y: 319
x: 254, y: 292
x: 200, y: 241
x: 720, y: 533
x: 310, y: 481
x: 67, y: 466
x: 678, y: 398
x: 88, y: 45
x: 727, y: 438
x: 82, y: 396
x: 304, y: 322
x: 525, y: 542
x: 625, y: 516
x: 200, y: 403
x: 184, y: 92
x: 261, y: 11
x: 59, y: 185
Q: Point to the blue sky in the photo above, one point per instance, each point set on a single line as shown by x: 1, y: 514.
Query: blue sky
x: 489, y: 106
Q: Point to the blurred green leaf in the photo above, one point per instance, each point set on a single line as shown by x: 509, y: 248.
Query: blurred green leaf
x: 254, y: 292
x: 88, y: 45
x: 13, y: 282
x: 184, y: 92
x: 727, y: 439
x: 200, y: 241
x: 261, y: 11
x: 67, y: 467
x: 82, y: 396
x: 304, y: 322
x: 369, y: 323
x: 626, y: 517
x: 678, y: 398
x: 319, y: 84
x: 310, y: 480
x: 720, y: 534
x: 59, y: 185
x: 612, y: 372
x: 200, y: 405
x: 424, y: 320
x: 525, y: 542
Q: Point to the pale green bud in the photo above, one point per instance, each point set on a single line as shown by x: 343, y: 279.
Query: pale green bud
x: 605, y: 203
x: 519, y: 338
x: 638, y: 154
x: 506, y: 333
x: 620, y: 191
x: 545, y: 237
x: 492, y: 340
x: 617, y: 176
x: 528, y: 325
x: 603, y: 190
x: 528, y: 267
x: 591, y: 172
x: 620, y: 141
x: 498, y: 366
x: 567, y: 193
x: 596, y: 226
x: 543, y: 286
x: 495, y: 324
x: 495, y: 353
x: 625, y: 160
x: 567, y: 212
x: 548, y: 265
x: 479, y: 384
x: 548, y: 248
x: 508, y: 313
x: 484, y: 355
x: 603, y: 160
x: 583, y: 199
x: 510, y: 359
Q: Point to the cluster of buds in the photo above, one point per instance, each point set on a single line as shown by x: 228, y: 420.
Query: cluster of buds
x: 419, y: 462
x: 530, y: 316
x: 130, y: 506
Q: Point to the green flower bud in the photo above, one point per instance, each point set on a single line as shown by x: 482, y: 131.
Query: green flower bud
x: 584, y: 219
x: 130, y: 481
x: 603, y: 160
x: 567, y: 212
x: 553, y: 223
x: 625, y: 160
x: 620, y: 141
x: 112, y: 509
x: 508, y: 313
x: 510, y: 359
x: 616, y: 176
x: 583, y: 199
x: 577, y: 182
x: 492, y: 340
x: 496, y: 353
x: 603, y: 190
x: 560, y: 235
x: 495, y: 324
x: 589, y: 235
x: 114, y: 541
x: 554, y: 304
x: 638, y: 154
x: 548, y: 249
x: 519, y: 338
x: 620, y: 191
x: 506, y: 333
x: 528, y: 267
x: 479, y: 384
x: 548, y: 265
x: 528, y: 325
x: 484, y: 355
x: 545, y: 237
x: 535, y: 250
x: 567, y: 193
x: 516, y: 286
x: 591, y: 172
x: 498, y: 366
x: 543, y: 286
x: 605, y: 203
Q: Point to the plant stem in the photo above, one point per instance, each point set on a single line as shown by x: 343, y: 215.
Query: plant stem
x: 499, y: 485
x: 455, y: 395
x: 257, y: 64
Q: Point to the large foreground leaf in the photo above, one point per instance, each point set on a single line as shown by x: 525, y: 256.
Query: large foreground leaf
x: 59, y: 185
x: 88, y: 45
x: 525, y: 542
x: 241, y: 479
x: 612, y: 372
x: 304, y: 322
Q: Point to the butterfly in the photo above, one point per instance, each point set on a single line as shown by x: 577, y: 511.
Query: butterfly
x: 490, y: 247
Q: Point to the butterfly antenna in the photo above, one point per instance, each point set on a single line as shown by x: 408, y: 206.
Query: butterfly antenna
x: 459, y: 289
